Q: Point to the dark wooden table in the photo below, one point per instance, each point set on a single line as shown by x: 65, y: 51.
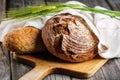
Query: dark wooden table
x: 11, y: 69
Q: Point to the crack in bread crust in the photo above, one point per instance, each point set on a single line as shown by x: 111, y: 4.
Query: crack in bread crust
x: 70, y: 38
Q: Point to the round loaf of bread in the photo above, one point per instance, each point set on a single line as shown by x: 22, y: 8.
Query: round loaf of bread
x: 24, y: 40
x: 70, y: 38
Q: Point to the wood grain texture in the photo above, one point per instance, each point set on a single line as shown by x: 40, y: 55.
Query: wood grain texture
x: 45, y: 64
x: 17, y: 4
x: 4, y: 64
x: 2, y: 9
x: 114, y: 5
x: 4, y: 56
x: 18, y: 69
x: 109, y: 71
x: 112, y: 70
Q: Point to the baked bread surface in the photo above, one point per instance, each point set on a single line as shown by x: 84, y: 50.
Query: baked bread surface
x: 24, y: 40
x: 70, y: 38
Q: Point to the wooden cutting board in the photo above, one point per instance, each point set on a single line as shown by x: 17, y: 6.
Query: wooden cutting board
x: 44, y: 63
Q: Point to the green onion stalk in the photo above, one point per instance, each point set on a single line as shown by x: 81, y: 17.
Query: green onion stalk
x: 43, y: 10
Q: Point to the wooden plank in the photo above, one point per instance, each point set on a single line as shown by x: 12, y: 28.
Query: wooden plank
x: 57, y: 77
x: 102, y: 74
x: 114, y: 5
x: 112, y: 70
x: 18, y: 69
x: 4, y: 56
x: 45, y: 65
x: 16, y: 4
x: 4, y: 64
x: 57, y: 0
x: 33, y: 2
x: 2, y: 9
x: 93, y: 3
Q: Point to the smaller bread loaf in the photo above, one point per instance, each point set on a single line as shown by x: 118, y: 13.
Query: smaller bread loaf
x: 70, y: 38
x: 24, y: 40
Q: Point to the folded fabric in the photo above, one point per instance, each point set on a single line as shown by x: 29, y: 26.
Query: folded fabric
x: 107, y: 29
x: 109, y: 39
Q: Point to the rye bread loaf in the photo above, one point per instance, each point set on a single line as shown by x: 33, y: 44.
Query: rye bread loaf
x: 70, y: 38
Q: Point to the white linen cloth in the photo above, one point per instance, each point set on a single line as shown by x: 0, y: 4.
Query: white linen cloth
x: 107, y: 29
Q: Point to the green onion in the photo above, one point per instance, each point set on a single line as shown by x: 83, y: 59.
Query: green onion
x: 34, y: 11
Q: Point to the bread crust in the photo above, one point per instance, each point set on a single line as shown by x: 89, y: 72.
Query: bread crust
x: 70, y: 38
x: 24, y: 40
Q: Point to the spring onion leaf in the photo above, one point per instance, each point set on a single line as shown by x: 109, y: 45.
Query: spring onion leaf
x: 43, y: 10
